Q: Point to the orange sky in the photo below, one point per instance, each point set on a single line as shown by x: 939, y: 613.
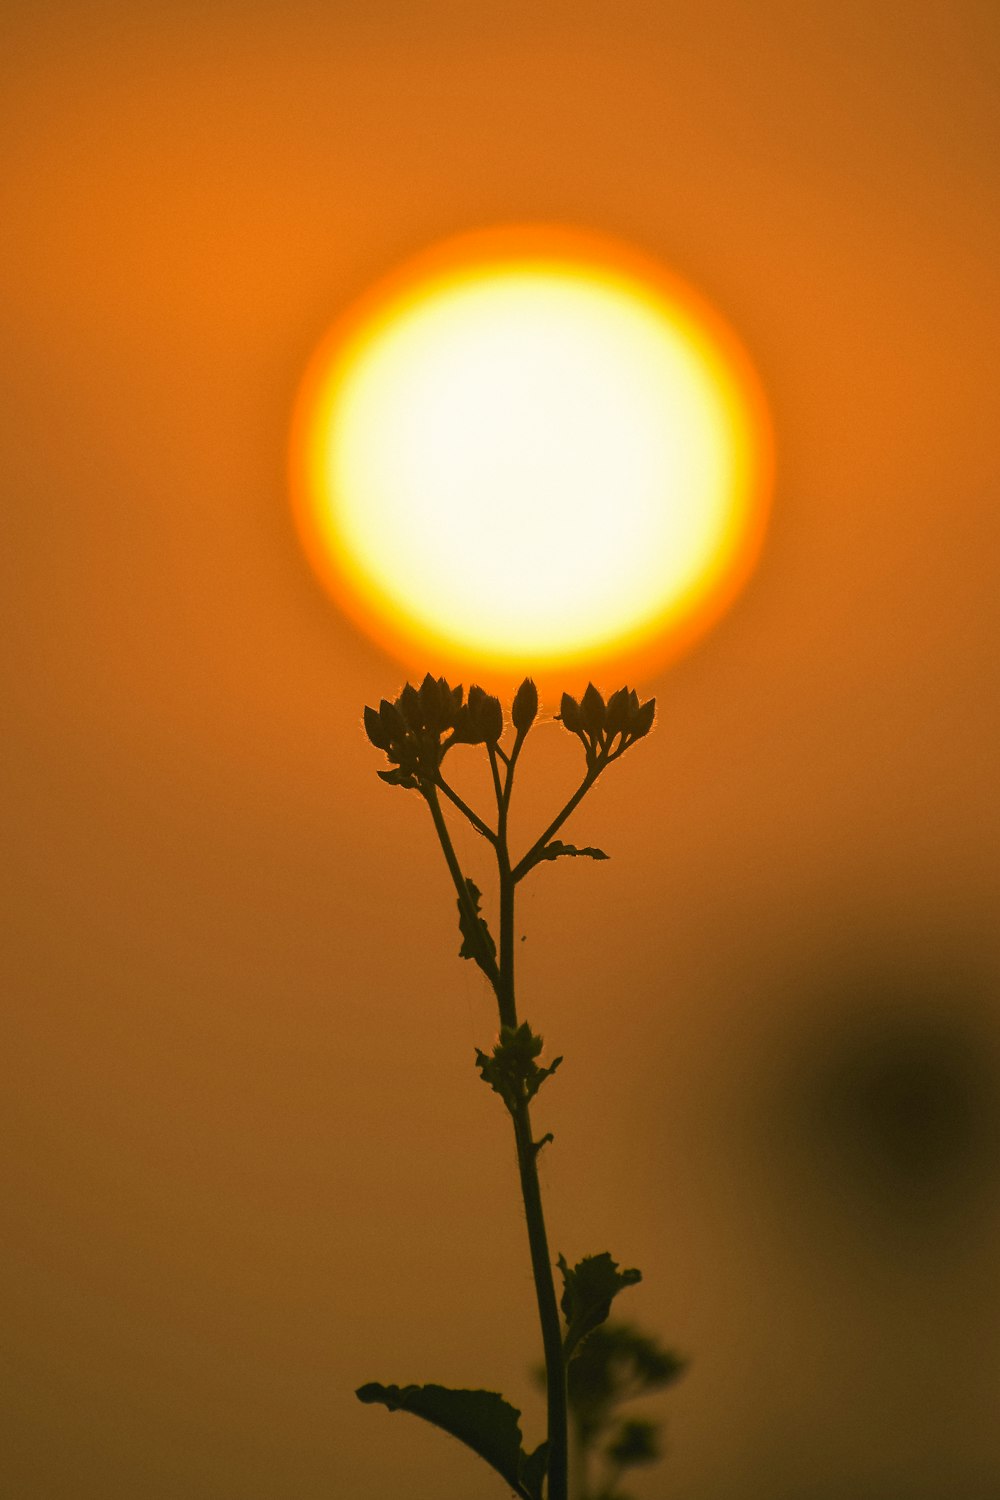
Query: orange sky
x: 246, y: 1156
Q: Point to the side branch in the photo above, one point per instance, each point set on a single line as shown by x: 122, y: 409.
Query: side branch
x: 536, y: 853
x: 487, y: 962
x: 466, y: 810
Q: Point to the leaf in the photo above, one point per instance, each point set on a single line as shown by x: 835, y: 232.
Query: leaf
x: 482, y: 1420
x: 588, y: 1291
x: 556, y: 849
x: 398, y: 777
x: 474, y: 939
x: 511, y: 1070
x: 533, y: 1469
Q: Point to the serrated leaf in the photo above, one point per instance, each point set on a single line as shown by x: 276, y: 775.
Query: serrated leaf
x: 474, y: 938
x: 556, y: 849
x: 589, y: 1288
x: 482, y: 1420
x: 511, y: 1070
x: 533, y: 1470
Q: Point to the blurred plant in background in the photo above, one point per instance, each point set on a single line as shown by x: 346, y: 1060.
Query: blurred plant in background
x: 616, y: 1364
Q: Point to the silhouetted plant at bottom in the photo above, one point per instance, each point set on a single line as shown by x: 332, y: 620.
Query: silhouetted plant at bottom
x: 417, y: 731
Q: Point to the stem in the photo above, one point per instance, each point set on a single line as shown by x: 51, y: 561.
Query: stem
x: 466, y: 810
x: 495, y: 769
x: 532, y: 857
x: 557, y: 1487
x: 487, y: 961
x: 548, y: 1309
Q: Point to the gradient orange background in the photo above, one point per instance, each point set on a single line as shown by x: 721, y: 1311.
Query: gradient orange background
x: 247, y: 1161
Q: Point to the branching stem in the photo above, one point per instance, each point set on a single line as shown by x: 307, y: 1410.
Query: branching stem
x: 487, y: 961
x: 527, y: 1164
x: 466, y: 810
x: 534, y: 854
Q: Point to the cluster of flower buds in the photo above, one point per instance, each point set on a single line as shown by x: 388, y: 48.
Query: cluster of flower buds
x: 423, y: 723
x: 607, y: 729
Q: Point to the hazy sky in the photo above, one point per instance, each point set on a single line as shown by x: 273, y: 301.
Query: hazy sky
x: 247, y: 1161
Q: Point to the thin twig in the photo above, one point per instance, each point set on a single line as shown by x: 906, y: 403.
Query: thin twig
x: 487, y: 961
x: 466, y: 810
x: 535, y: 853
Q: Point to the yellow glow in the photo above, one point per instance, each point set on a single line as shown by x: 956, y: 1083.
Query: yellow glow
x: 531, y: 449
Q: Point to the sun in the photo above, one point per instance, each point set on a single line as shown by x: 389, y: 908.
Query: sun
x: 532, y: 449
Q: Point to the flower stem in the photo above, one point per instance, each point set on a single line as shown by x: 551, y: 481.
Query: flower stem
x: 535, y: 852
x: 486, y: 960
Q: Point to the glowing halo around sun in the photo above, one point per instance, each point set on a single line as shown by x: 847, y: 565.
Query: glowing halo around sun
x: 532, y: 450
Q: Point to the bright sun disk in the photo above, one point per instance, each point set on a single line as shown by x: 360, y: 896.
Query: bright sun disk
x: 528, y: 450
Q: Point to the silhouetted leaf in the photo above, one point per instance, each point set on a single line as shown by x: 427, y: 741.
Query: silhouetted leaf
x: 482, y: 1420
x: 588, y: 1291
x: 511, y: 1068
x: 398, y: 777
x: 533, y: 1468
x: 524, y: 707
x: 475, y: 938
x: 556, y: 849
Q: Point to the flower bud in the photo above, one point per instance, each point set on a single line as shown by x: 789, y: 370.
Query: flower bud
x: 392, y: 720
x: 430, y: 705
x: 592, y: 710
x: 411, y: 707
x: 375, y: 729
x: 525, y: 706
x: 486, y: 715
x: 569, y: 712
x: 617, y: 715
x: 642, y: 723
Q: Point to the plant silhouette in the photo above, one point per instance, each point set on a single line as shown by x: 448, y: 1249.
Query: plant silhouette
x: 416, y: 731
